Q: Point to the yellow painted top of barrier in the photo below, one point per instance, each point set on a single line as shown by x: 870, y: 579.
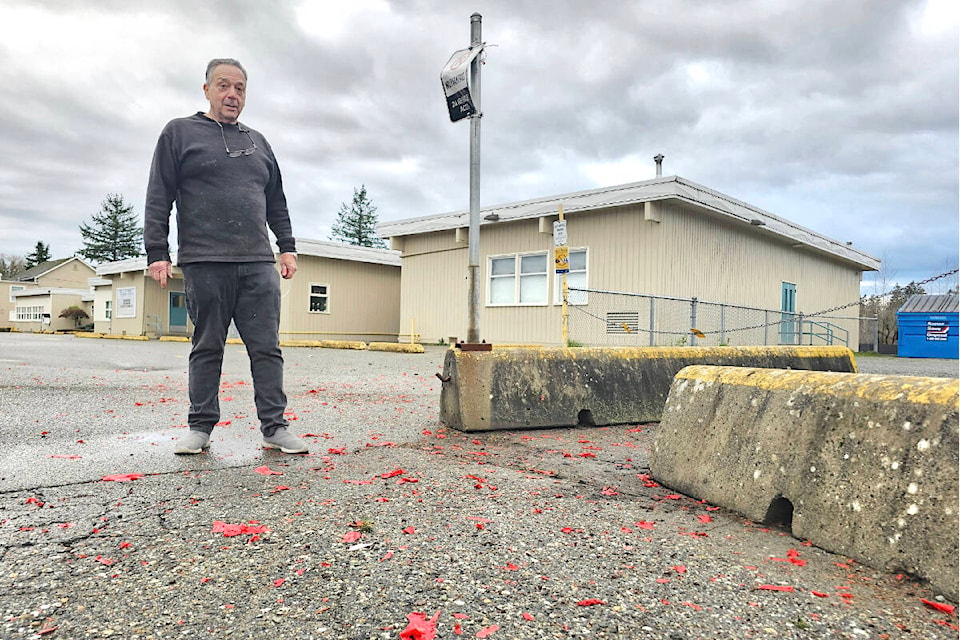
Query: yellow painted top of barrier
x: 917, y: 389
x: 509, y: 351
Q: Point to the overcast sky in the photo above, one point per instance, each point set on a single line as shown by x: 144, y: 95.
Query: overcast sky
x: 839, y: 115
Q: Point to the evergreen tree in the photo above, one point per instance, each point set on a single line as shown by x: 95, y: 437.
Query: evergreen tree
x: 114, y: 234
x: 41, y: 254
x: 357, y: 223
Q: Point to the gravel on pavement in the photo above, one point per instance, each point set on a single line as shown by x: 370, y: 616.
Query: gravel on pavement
x: 557, y: 533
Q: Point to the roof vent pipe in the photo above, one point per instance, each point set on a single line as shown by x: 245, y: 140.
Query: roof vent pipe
x: 659, y: 160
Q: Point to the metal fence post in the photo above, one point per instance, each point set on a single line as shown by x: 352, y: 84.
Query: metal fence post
x: 652, y: 322
x: 693, y: 321
x: 766, y: 328
x: 723, y: 324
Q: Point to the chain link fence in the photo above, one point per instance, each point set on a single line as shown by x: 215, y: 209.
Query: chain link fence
x: 614, y: 318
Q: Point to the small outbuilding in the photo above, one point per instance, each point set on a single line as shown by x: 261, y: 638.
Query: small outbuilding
x: 927, y: 327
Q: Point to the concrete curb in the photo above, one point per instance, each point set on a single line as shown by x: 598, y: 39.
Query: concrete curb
x: 863, y: 465
x: 396, y: 347
x: 523, y: 388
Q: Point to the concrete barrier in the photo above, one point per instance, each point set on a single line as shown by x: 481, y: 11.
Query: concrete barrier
x: 862, y: 465
x: 518, y: 388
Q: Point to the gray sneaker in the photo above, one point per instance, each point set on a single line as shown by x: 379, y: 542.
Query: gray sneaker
x: 193, y: 442
x: 285, y: 441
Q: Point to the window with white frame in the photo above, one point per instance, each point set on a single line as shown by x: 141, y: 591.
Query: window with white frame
x: 29, y: 314
x: 108, y: 309
x: 319, y: 298
x: 13, y: 288
x: 576, y: 279
x: 519, y: 279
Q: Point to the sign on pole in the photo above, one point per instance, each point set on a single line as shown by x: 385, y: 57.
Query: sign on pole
x: 455, y: 84
x: 561, y: 252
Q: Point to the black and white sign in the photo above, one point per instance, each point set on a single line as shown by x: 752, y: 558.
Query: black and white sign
x: 456, y: 86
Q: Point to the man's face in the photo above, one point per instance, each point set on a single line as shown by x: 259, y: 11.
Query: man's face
x: 226, y: 92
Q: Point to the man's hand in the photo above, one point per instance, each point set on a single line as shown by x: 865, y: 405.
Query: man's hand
x: 161, y: 271
x: 288, y: 265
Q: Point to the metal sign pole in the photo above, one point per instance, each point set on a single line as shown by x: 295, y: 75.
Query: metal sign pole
x: 473, y: 237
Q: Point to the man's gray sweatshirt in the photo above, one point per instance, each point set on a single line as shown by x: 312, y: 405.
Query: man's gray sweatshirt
x: 224, y: 204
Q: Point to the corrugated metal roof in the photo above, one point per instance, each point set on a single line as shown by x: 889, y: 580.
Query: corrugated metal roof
x: 920, y: 303
x: 340, y: 251
x: 671, y: 187
x: 318, y: 248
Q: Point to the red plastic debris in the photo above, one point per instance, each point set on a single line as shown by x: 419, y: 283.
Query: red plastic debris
x: 420, y: 627
x: 940, y: 606
x: 590, y: 602
x: 267, y: 471
x: 122, y: 477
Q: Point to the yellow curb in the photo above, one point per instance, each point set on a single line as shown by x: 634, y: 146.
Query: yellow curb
x: 343, y: 344
x: 234, y: 341
x: 174, y: 339
x: 396, y: 347
x: 137, y: 338
x: 300, y: 343
x: 88, y: 334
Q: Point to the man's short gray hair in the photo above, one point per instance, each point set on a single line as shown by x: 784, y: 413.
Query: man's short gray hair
x: 216, y: 62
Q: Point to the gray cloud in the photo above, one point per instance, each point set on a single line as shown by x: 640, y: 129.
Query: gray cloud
x: 840, y: 116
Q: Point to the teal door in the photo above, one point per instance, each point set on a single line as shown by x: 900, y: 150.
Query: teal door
x: 178, y: 312
x: 788, y: 316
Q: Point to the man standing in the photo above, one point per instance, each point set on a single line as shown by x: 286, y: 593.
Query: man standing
x: 226, y: 183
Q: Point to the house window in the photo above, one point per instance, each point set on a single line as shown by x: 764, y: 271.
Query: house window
x: 519, y: 279
x: 108, y: 309
x: 29, y: 314
x: 319, y: 298
x: 15, y: 287
x: 577, y: 278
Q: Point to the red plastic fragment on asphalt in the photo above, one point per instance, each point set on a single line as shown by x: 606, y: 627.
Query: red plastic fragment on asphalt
x: 820, y: 594
x: 940, y: 606
x: 420, y: 627
x: 643, y: 524
x: 705, y: 519
x: 409, y: 530
x: 527, y: 616
x: 229, y: 530
x: 486, y: 632
x: 267, y: 471
x: 351, y: 536
x: 122, y: 477
x: 71, y: 456
x: 590, y: 602
x: 774, y: 587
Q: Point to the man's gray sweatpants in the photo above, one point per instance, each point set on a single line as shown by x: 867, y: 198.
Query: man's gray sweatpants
x: 249, y: 294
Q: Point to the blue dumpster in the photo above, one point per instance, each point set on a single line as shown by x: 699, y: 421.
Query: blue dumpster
x: 927, y: 327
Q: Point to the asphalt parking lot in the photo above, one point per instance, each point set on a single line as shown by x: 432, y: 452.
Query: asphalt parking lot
x: 559, y: 533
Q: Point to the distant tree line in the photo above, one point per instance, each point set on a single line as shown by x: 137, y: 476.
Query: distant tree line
x: 884, y: 307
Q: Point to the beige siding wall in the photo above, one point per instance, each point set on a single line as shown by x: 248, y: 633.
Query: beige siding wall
x: 687, y: 254
x: 71, y: 275
x: 363, y: 301
x: 135, y: 326
x: 8, y: 304
x: 434, y: 285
